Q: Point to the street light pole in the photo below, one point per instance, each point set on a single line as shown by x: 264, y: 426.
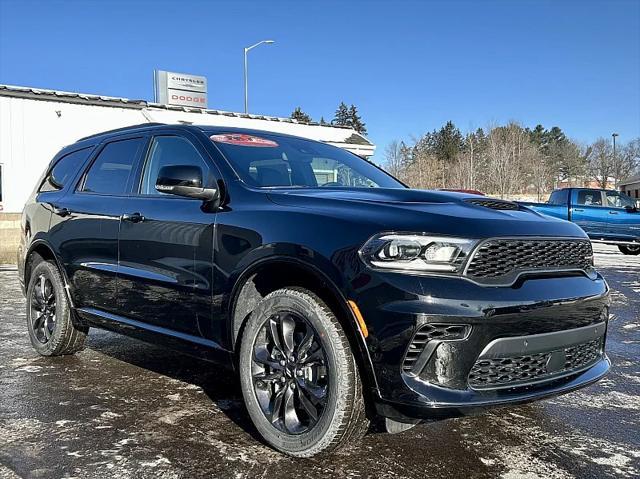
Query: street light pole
x: 246, y: 72
x: 615, y: 185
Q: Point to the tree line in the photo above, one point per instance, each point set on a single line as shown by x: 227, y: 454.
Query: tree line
x: 344, y: 116
x: 509, y: 159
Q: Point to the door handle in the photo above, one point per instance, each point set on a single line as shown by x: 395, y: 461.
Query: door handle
x: 613, y: 212
x: 132, y: 217
x: 578, y: 209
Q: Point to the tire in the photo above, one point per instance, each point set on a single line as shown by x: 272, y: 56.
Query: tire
x: 329, y: 383
x: 49, y: 322
x: 632, y: 250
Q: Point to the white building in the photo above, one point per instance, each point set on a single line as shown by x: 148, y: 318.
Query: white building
x: 35, y: 124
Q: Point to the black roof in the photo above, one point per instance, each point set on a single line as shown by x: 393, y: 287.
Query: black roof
x: 204, y: 128
x: 120, y: 130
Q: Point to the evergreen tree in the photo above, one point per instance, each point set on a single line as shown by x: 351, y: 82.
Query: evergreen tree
x: 448, y: 142
x: 301, y: 116
x: 355, y: 121
x: 322, y: 121
x: 348, y: 116
x: 341, y: 117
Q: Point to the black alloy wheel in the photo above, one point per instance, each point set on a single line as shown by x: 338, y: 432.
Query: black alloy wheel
x: 290, y: 373
x: 50, y: 320
x: 43, y: 309
x: 299, y: 378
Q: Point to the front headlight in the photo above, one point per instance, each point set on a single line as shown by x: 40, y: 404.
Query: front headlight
x: 417, y: 252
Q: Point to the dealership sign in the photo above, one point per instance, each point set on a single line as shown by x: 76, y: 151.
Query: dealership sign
x: 180, y: 89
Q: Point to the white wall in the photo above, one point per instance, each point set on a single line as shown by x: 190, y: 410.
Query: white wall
x: 32, y: 131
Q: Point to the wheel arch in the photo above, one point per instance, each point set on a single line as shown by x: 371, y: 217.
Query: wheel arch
x: 271, y: 274
x: 43, y: 249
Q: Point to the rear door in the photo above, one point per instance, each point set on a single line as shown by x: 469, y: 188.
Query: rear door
x: 166, y: 244
x: 85, y: 226
x: 49, y: 192
x: 588, y: 211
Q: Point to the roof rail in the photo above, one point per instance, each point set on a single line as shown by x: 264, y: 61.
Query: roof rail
x: 126, y: 128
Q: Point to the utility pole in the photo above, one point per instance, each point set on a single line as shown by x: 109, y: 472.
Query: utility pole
x: 615, y: 164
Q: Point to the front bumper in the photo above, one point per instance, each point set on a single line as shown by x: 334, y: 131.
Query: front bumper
x: 540, y: 337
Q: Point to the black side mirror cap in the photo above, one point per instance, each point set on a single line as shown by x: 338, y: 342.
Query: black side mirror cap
x: 186, y: 181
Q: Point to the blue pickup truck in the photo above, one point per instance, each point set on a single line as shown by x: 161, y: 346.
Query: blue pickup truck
x: 607, y: 216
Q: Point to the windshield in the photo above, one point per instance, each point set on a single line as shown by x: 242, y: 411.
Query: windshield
x: 272, y: 160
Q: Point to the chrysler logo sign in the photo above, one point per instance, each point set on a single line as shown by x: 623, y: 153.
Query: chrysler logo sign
x: 180, y: 89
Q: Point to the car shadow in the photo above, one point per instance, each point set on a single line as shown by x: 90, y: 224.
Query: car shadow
x: 219, y: 384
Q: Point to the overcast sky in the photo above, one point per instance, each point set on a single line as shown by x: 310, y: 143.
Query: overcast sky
x: 408, y: 66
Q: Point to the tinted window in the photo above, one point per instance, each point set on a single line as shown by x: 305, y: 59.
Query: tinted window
x: 110, y: 172
x: 618, y: 200
x: 559, y: 197
x: 166, y: 151
x: 590, y: 197
x: 272, y: 160
x: 65, y: 169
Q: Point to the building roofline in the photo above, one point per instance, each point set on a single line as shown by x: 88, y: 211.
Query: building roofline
x: 628, y: 181
x: 119, y: 102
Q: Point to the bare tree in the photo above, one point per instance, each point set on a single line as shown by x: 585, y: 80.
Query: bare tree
x: 601, y: 162
x: 508, y: 159
x: 626, y: 161
x: 540, y: 172
x: 508, y: 151
x: 393, y: 158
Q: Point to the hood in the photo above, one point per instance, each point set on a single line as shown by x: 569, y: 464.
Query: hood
x: 437, y: 212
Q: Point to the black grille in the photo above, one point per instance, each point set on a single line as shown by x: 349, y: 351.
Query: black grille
x: 428, y: 332
x: 495, y: 204
x: 516, y: 370
x: 499, y: 259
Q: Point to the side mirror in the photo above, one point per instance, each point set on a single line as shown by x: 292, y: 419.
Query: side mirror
x: 631, y: 209
x: 184, y: 180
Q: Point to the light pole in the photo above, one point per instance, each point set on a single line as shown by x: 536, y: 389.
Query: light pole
x: 246, y: 73
x: 615, y: 165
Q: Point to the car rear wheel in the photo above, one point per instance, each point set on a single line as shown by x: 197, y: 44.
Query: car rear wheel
x: 299, y: 378
x: 51, y: 330
x: 627, y: 249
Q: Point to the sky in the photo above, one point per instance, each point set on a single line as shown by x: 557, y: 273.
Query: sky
x: 409, y: 66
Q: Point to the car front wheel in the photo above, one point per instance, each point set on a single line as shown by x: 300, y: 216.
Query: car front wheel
x: 299, y: 378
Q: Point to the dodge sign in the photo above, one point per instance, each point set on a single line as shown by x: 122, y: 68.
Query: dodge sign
x: 180, y: 89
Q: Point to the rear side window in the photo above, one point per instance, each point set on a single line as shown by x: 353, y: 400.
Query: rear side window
x: 559, y: 197
x: 590, y: 197
x: 110, y: 172
x: 64, y: 170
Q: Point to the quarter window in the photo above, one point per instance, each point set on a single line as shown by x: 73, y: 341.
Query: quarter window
x: 167, y: 151
x: 64, y: 170
x: 110, y: 172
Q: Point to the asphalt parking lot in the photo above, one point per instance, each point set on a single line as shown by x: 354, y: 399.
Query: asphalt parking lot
x: 124, y: 409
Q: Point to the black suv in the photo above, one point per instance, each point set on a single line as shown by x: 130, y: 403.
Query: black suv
x: 336, y: 293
